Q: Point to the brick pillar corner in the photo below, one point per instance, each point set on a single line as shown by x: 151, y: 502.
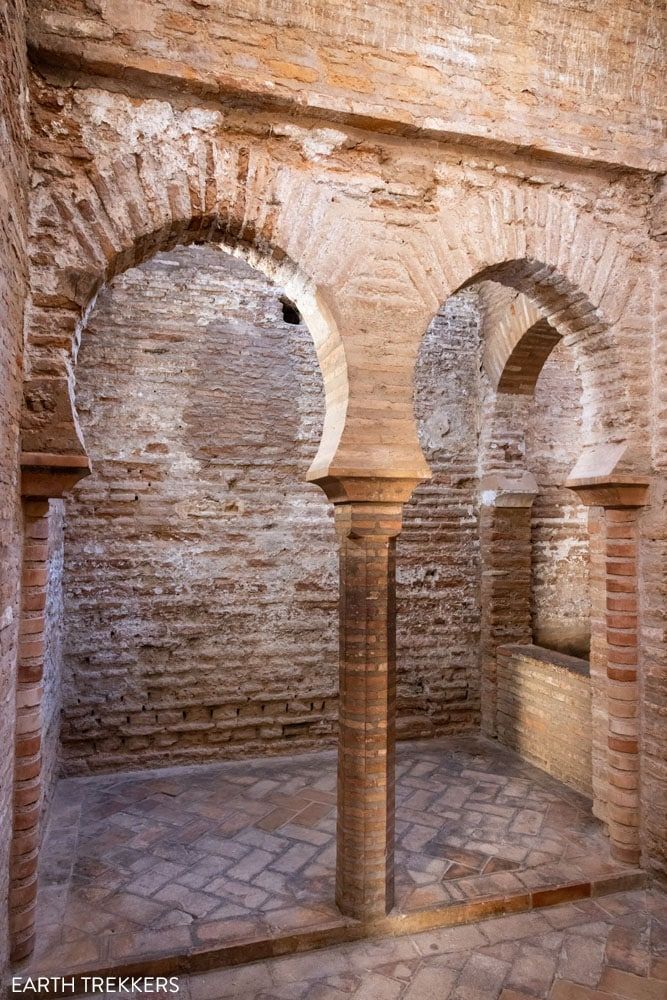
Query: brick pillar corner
x: 505, y: 542
x: 621, y: 616
x: 618, y: 499
x: 44, y: 476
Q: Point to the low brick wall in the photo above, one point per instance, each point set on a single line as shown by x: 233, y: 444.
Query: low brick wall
x: 544, y: 711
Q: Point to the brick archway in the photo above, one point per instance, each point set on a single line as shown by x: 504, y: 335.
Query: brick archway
x: 374, y: 270
x: 105, y: 235
x: 577, y: 274
x: 611, y: 480
x: 517, y: 340
x: 367, y: 284
x: 572, y: 280
x: 50, y: 423
x: 516, y: 343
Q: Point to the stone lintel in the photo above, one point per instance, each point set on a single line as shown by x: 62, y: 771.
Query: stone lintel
x: 50, y: 475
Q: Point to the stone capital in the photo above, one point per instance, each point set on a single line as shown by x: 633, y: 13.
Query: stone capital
x: 50, y: 476
x: 498, y: 490
x: 610, y: 475
x: 611, y: 491
x: 353, y: 488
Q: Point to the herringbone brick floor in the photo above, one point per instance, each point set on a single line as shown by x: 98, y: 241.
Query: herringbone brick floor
x: 606, y: 949
x: 198, y: 855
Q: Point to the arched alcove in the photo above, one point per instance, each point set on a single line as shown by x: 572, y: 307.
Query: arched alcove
x: 200, y: 568
x: 367, y: 276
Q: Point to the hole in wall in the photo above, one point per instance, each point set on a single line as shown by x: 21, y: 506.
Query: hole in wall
x: 290, y: 312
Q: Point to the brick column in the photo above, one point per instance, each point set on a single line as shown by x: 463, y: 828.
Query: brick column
x: 598, y: 659
x: 619, y: 498
x: 28, y: 761
x: 43, y: 476
x: 505, y: 542
x: 622, y: 684
x: 367, y: 708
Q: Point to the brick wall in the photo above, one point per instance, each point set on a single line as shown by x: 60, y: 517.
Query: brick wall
x: 201, y: 571
x: 653, y: 586
x: 438, y: 605
x: 544, y: 711
x: 13, y: 283
x: 653, y: 680
x: 536, y: 74
x: 201, y: 578
x: 502, y: 82
x: 561, y: 606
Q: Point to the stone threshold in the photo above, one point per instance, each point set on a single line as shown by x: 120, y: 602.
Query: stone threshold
x: 256, y: 948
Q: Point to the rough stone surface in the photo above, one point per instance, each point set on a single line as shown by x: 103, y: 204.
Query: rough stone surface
x: 368, y: 271
x: 192, y: 525
x: 437, y: 552
x: 53, y: 681
x: 561, y: 603
x: 201, y: 570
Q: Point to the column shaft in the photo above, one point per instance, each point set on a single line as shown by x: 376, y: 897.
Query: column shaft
x: 614, y: 647
x: 598, y: 659
x: 367, y: 708
x: 28, y: 761
x: 622, y: 683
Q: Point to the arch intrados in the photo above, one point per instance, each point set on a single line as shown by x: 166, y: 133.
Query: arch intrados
x: 517, y: 340
x: 273, y: 263
x: 569, y: 311
x: 563, y: 310
x: 524, y: 364
x: 564, y: 305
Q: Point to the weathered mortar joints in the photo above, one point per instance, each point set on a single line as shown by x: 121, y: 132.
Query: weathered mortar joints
x: 368, y: 522
x: 505, y: 539
x: 517, y: 345
x: 27, y: 768
x: 543, y: 698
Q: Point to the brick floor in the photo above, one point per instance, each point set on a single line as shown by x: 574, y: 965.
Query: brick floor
x: 201, y: 854
x: 613, y: 948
